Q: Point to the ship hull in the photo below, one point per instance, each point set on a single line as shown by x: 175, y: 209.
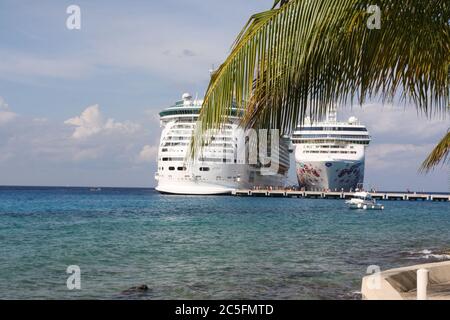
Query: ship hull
x: 204, y: 188
x: 194, y: 189
x: 334, y: 175
x: 232, y: 177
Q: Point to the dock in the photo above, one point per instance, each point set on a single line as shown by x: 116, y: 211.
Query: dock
x: 394, y: 196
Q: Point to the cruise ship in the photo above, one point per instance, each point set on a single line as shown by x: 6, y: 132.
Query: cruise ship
x: 330, y: 155
x: 223, y: 163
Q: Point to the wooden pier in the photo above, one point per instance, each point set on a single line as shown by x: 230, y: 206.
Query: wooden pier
x: 340, y: 195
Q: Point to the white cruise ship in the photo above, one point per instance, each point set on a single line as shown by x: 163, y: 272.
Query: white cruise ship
x: 221, y: 166
x: 330, y: 155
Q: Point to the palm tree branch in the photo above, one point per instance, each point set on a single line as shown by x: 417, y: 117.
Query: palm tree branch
x: 439, y: 154
x: 304, y: 55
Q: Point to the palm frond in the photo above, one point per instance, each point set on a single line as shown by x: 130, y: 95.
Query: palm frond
x: 438, y: 155
x: 279, y: 2
x: 304, y: 55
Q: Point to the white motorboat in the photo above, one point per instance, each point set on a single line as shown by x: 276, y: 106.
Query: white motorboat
x: 363, y: 200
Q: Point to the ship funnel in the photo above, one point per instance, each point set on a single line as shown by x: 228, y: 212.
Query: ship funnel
x: 186, y: 97
x: 352, y: 120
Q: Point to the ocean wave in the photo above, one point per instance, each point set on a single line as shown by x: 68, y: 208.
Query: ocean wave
x: 428, y: 254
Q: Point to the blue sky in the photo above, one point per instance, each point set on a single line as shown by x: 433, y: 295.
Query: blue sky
x: 79, y: 107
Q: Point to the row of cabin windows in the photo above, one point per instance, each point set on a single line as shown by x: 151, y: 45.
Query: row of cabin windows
x: 191, y: 110
x: 183, y: 126
x: 215, y: 144
x: 173, y: 144
x: 192, y: 126
x: 189, y: 125
x: 218, y: 178
x: 172, y: 159
x: 184, y: 168
x: 173, y: 138
x: 329, y: 141
x: 181, y: 138
x: 224, y: 160
x: 332, y: 147
x: 343, y: 136
x: 323, y: 151
x: 187, y: 119
x: 179, y: 168
x: 221, y: 139
x: 209, y: 151
x: 176, y: 131
x: 331, y: 128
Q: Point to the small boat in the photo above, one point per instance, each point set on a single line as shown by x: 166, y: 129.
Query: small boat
x: 363, y: 200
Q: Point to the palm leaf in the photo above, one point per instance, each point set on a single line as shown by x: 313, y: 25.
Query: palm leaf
x: 304, y: 55
x: 438, y: 155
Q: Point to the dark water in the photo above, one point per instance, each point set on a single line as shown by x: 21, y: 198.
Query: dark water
x: 186, y: 247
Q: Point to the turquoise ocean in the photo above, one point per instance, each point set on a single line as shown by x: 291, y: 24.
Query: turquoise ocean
x: 212, y: 247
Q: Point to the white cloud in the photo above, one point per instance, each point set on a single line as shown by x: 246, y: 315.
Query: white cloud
x: 3, y: 104
x: 5, y: 114
x: 45, y: 152
x: 401, y: 140
x: 148, y: 154
x: 87, y: 154
x: 397, y: 155
x: 400, y: 124
x: 91, y: 122
x: 401, y: 137
x: 126, y: 127
x: 88, y: 123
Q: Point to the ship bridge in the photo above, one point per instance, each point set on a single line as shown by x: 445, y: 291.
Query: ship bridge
x: 348, y: 132
x: 188, y: 107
